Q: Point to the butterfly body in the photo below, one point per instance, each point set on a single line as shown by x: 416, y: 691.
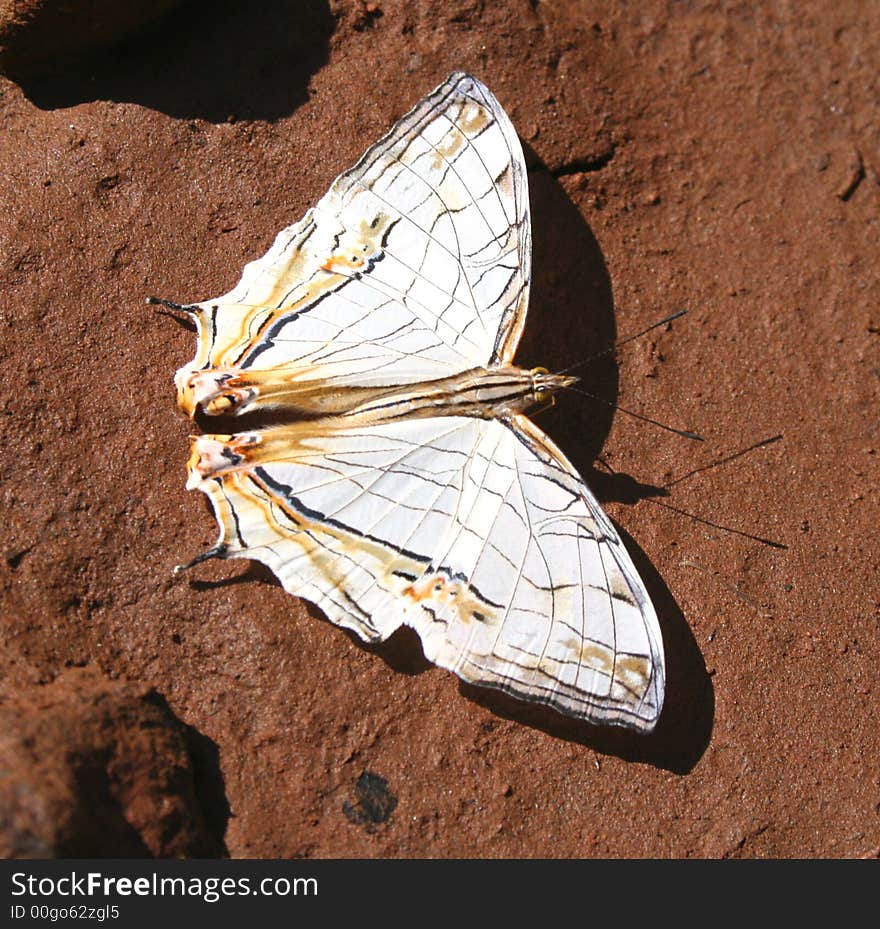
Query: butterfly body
x: 488, y: 392
x: 401, y: 482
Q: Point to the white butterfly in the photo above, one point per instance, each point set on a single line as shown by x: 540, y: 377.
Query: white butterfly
x: 405, y: 484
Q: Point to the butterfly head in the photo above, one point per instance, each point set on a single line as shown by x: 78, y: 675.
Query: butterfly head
x: 545, y: 386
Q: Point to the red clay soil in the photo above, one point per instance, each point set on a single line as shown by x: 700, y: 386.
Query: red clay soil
x: 701, y: 155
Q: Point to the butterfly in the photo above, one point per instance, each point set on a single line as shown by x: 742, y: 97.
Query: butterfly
x: 399, y: 481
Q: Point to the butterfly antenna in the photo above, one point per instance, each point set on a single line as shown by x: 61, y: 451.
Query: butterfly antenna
x: 684, y: 433
x: 192, y: 309
x: 630, y: 338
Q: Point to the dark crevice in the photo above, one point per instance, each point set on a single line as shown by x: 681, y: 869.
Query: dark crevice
x: 585, y: 165
x: 16, y: 558
x: 856, y: 176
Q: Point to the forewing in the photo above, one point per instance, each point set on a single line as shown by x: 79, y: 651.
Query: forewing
x: 476, y: 533
x: 414, y: 265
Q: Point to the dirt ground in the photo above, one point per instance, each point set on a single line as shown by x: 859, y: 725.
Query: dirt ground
x: 711, y: 156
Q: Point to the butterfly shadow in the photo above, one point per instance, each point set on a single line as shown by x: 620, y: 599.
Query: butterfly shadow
x: 685, y: 726
x: 254, y: 573
x: 571, y: 320
x: 571, y: 326
x: 401, y: 651
x: 215, y: 61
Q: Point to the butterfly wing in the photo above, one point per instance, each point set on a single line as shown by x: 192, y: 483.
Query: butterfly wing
x: 478, y: 534
x: 347, y: 518
x: 414, y: 265
x: 565, y: 619
x: 474, y: 531
x: 578, y: 629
